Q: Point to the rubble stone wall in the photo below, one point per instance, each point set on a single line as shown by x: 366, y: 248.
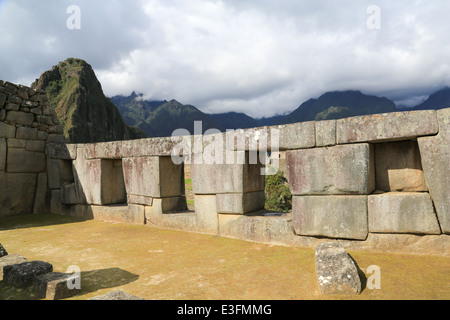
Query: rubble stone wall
x: 27, y: 123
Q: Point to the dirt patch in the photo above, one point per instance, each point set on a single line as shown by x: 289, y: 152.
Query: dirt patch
x: 161, y: 264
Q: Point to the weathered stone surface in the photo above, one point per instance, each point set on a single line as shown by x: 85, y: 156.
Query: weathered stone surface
x: 142, y: 200
x: 387, y: 127
x: 2, y: 114
x: 325, y: 133
x: 3, y: 146
x: 340, y: 217
x: 336, y: 170
x: 12, y: 107
x: 264, y: 228
x: 112, y: 183
x: 69, y: 195
x: 7, y: 130
x: 336, y: 271
x: 399, y: 167
x: 402, y: 212
x: 131, y: 214
x: 35, y: 145
x: 430, y: 245
x: 3, y: 251
x: 16, y: 143
x: 26, y: 133
x: 156, y: 216
x: 13, y: 188
x: 227, y: 178
x: 435, y: 153
x: 23, y: 274
x: 54, y: 286
x: 240, y: 203
x: 205, y: 208
x: 23, y: 161
x: 153, y: 177
x: 117, y: 295
x: 10, y: 260
x: 2, y: 99
x: 42, y: 196
x: 62, y: 151
x: 18, y: 117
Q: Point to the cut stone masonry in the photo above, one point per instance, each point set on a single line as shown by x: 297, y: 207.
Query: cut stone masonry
x: 365, y: 181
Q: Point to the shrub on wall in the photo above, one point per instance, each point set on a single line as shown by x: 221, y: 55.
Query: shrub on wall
x: 278, y: 195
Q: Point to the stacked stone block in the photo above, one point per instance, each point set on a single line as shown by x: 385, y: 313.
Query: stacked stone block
x: 373, y: 178
x: 26, y: 124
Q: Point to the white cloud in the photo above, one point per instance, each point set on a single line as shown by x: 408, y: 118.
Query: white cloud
x: 260, y: 57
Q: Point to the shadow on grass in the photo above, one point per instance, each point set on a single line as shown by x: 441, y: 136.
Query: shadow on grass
x: 36, y: 220
x: 91, y: 281
x: 362, y: 275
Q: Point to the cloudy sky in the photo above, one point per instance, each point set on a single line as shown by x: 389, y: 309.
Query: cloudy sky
x: 261, y: 57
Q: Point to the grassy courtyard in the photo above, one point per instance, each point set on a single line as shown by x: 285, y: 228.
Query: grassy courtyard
x: 171, y: 265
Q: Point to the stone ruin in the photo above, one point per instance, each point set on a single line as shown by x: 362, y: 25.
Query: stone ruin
x: 377, y: 182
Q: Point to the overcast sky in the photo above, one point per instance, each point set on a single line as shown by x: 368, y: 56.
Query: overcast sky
x: 260, y: 57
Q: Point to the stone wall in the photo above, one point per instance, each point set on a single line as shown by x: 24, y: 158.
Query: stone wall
x: 376, y: 182
x: 26, y: 124
x: 373, y: 183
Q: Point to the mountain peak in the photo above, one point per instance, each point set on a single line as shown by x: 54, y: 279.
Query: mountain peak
x: 75, y: 93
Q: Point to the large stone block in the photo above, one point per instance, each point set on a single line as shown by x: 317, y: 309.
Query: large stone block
x: 336, y: 271
x: 325, y: 133
x: 240, y: 203
x: 10, y: 260
x: 7, y: 130
x: 23, y: 161
x: 155, y: 177
x: 23, y: 274
x: 35, y: 145
x: 435, y: 154
x: 340, y: 217
x: 241, y: 177
x: 17, y: 193
x: 62, y: 151
x: 402, y: 212
x: 387, y: 127
x: 42, y: 197
x: 260, y: 228
x: 18, y: 117
x: 3, y: 146
x: 130, y: 214
x: 55, y: 285
x: 336, y: 170
x: 171, y: 213
x: 26, y: 133
x: 399, y: 167
x: 69, y: 195
x: 207, y: 217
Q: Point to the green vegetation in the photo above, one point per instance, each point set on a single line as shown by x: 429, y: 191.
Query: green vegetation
x: 278, y: 195
x: 77, y: 97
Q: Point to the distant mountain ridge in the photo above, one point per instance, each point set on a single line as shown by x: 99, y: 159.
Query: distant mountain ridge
x: 161, y: 118
x: 438, y: 100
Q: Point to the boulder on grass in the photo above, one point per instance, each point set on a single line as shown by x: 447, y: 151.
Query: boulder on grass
x: 336, y: 271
